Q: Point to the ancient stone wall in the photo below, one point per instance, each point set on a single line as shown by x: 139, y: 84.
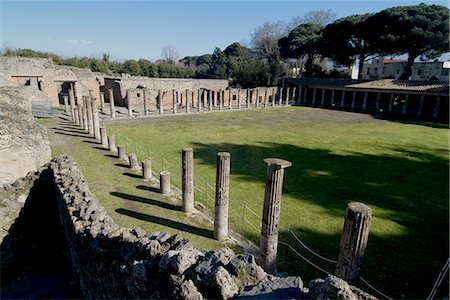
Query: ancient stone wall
x: 24, y: 145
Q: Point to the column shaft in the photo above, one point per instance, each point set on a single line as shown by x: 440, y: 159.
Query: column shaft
x: 222, y: 196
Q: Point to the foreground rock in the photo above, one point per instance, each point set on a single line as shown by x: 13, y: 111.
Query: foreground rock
x: 24, y: 145
x: 110, y: 261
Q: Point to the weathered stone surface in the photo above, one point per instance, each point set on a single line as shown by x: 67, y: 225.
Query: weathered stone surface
x: 246, y: 270
x: 176, y: 262
x: 24, y: 145
x: 277, y: 288
x: 331, y: 287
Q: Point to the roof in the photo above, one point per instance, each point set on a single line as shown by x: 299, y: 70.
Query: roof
x: 390, y: 61
x: 390, y: 84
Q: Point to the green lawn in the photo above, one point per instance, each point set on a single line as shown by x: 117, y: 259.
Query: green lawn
x: 400, y: 170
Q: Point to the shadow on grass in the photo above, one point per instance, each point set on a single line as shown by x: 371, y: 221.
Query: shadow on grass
x: 132, y: 175
x: 86, y: 135
x: 408, y: 190
x: 146, y: 201
x: 123, y: 165
x: 166, y: 222
x: 111, y: 155
x: 92, y: 142
x: 148, y: 188
x: 101, y: 148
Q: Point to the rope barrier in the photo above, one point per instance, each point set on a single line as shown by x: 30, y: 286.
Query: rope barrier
x: 311, y: 251
x: 439, y: 279
x: 304, y: 258
x: 373, y: 288
x: 257, y: 215
x: 256, y: 228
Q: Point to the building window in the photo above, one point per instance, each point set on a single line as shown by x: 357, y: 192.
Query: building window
x: 368, y: 71
x: 234, y: 97
x: 138, y: 94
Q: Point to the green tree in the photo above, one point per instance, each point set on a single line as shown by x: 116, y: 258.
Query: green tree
x: 416, y: 30
x: 350, y: 38
x: 131, y: 67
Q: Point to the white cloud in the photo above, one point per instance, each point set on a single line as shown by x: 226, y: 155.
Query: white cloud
x: 76, y: 42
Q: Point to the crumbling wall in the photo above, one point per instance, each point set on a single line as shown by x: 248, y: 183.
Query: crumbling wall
x: 24, y: 145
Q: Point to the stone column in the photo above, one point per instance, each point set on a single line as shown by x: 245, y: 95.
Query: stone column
x: 366, y: 94
x: 188, y: 103
x: 199, y: 102
x: 273, y: 97
x: 111, y: 103
x: 249, y: 97
x: 102, y: 102
x: 239, y: 99
x: 314, y: 97
x: 353, y: 100
x: 112, y: 144
x: 304, y: 95
x: 187, y: 162
x: 342, y: 98
x: 322, y: 103
x: 419, y: 111
x: 95, y: 119
x: 377, y: 105
x: 194, y: 103
x: 161, y: 102
x: 293, y: 99
x: 84, y: 115
x: 90, y: 118
x: 66, y: 104
x: 281, y: 97
x: 104, y: 137
x: 353, y: 241
x: 77, y: 120
x: 257, y: 99
x: 230, y: 100
x: 164, y: 182
x: 333, y: 92
x: 299, y: 97
x: 72, y: 104
x: 80, y: 113
x: 405, y: 105
x: 288, y: 95
x: 391, y: 102
x: 174, y: 102
x: 271, y: 212
x: 436, y: 107
x: 121, y: 152
x: 265, y: 98
x: 129, y: 106
x: 133, y: 161
x: 147, y: 169
x: 210, y: 100
x: 220, y: 100
x: 222, y: 195
x: 144, y: 96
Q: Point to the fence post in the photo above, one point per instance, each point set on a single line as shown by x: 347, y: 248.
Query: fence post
x: 164, y: 181
x: 187, y: 186
x: 271, y: 212
x: 353, y: 241
x: 222, y: 195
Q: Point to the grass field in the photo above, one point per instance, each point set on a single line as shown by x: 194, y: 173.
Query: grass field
x: 400, y: 170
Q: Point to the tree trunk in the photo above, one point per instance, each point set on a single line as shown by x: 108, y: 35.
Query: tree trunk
x: 409, y: 65
x: 361, y: 64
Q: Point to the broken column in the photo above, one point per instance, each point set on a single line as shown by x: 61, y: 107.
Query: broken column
x: 104, y: 137
x: 112, y: 144
x: 353, y: 241
x: 271, y: 212
x: 147, y: 169
x: 187, y: 185
x: 121, y: 152
x: 133, y: 161
x: 222, y: 195
x: 164, y: 182
x: 95, y: 119
x: 111, y: 103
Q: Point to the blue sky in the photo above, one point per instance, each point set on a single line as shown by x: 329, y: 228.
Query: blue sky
x: 140, y: 29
